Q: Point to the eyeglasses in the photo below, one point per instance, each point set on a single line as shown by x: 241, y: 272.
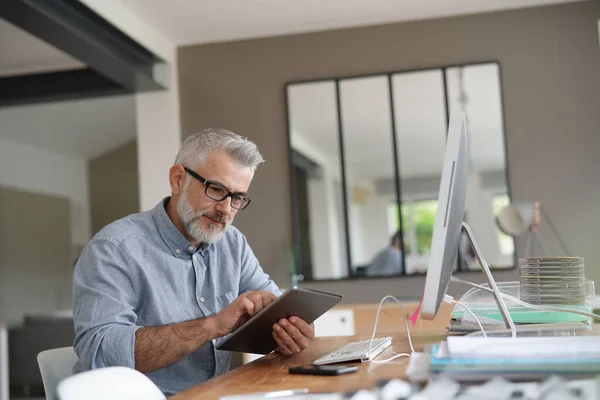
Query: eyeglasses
x: 218, y: 192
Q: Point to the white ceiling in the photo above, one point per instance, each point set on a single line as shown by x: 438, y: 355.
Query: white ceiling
x: 187, y: 22
x: 420, y: 122
x: 23, y: 53
x: 81, y: 128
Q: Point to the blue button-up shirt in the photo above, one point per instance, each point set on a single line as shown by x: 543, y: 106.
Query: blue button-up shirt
x: 141, y: 271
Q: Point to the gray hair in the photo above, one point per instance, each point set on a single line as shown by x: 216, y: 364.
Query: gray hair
x: 195, y: 149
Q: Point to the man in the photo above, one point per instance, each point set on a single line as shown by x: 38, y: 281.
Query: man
x: 156, y: 290
x: 389, y: 260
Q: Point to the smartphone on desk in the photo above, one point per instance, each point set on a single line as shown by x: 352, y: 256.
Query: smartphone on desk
x: 311, y: 369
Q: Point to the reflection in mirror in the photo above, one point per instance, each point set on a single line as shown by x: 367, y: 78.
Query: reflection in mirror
x: 420, y: 120
x: 369, y: 159
x: 319, y: 225
x: 476, y: 90
x: 345, y: 135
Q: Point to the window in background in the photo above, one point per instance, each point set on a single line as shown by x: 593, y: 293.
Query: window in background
x: 379, y: 142
x: 418, y: 218
x: 320, y: 250
x: 420, y: 121
x: 369, y: 165
x: 476, y: 90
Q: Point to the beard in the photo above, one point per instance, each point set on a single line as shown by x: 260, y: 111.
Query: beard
x: 190, y: 219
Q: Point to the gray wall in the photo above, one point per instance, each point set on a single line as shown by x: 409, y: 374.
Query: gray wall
x: 550, y: 66
x: 113, y: 183
x: 36, y: 261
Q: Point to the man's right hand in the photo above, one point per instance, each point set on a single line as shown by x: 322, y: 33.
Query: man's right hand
x: 245, y: 306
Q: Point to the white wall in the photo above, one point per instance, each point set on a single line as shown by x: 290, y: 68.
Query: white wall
x: 480, y: 217
x: 326, y: 236
x: 324, y: 262
x: 369, y: 225
x: 157, y: 113
x: 158, y: 139
x: 375, y: 226
x: 29, y: 168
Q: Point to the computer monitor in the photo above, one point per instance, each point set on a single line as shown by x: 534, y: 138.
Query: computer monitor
x: 449, y: 216
x: 449, y: 225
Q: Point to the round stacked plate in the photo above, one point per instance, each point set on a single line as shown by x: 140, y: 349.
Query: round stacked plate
x: 552, y: 280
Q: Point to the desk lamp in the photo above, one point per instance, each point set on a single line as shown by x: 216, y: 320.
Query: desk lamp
x: 522, y: 216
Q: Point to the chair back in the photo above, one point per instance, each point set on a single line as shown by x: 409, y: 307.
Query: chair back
x: 116, y: 383
x: 56, y: 365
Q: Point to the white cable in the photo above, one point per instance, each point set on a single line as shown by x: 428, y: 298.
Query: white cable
x: 396, y: 355
x: 529, y: 305
x: 551, y: 308
x: 513, y: 328
x: 449, y: 299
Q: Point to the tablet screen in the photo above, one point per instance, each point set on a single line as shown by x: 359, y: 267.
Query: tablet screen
x: 255, y: 336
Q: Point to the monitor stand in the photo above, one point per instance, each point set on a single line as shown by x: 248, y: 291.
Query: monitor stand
x: 486, y: 269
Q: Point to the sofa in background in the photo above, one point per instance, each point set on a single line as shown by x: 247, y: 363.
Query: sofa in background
x: 35, y: 334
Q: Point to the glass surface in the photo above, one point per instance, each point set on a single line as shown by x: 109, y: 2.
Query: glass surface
x: 319, y: 226
x: 369, y: 163
x: 476, y: 90
x: 483, y: 304
x: 420, y: 119
x: 389, y: 132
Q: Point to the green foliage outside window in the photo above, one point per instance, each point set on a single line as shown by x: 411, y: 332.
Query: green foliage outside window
x: 418, y: 219
x: 423, y: 217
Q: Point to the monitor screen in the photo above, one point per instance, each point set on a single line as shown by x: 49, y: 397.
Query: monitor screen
x: 449, y: 216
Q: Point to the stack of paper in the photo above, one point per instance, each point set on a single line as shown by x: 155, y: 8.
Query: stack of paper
x: 523, y: 358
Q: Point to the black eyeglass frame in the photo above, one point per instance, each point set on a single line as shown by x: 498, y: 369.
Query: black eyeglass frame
x: 208, y: 183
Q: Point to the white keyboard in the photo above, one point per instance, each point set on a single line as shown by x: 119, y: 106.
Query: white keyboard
x: 356, y: 351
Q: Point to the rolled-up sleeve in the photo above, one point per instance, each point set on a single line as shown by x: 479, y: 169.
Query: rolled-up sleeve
x: 104, y: 303
x: 252, y: 276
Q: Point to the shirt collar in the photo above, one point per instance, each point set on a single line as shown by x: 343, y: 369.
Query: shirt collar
x: 176, y: 242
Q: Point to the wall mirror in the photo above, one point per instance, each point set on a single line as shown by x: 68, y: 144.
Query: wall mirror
x: 366, y: 156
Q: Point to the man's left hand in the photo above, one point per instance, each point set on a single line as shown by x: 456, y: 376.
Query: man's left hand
x: 293, y: 335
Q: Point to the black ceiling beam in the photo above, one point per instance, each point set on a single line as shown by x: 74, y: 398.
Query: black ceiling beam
x: 56, y: 86
x: 75, y: 29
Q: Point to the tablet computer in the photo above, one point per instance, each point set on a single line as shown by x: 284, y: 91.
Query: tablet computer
x: 256, y: 335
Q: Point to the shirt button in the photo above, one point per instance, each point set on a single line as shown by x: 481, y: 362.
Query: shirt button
x: 191, y: 248
x: 177, y: 251
x: 201, y: 299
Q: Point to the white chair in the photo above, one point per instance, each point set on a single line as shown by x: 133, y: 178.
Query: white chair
x: 55, y: 365
x: 116, y: 383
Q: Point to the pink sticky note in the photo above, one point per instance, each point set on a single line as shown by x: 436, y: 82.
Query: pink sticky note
x: 415, y: 314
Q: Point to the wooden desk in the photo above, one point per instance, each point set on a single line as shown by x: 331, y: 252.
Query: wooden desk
x: 271, y: 372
